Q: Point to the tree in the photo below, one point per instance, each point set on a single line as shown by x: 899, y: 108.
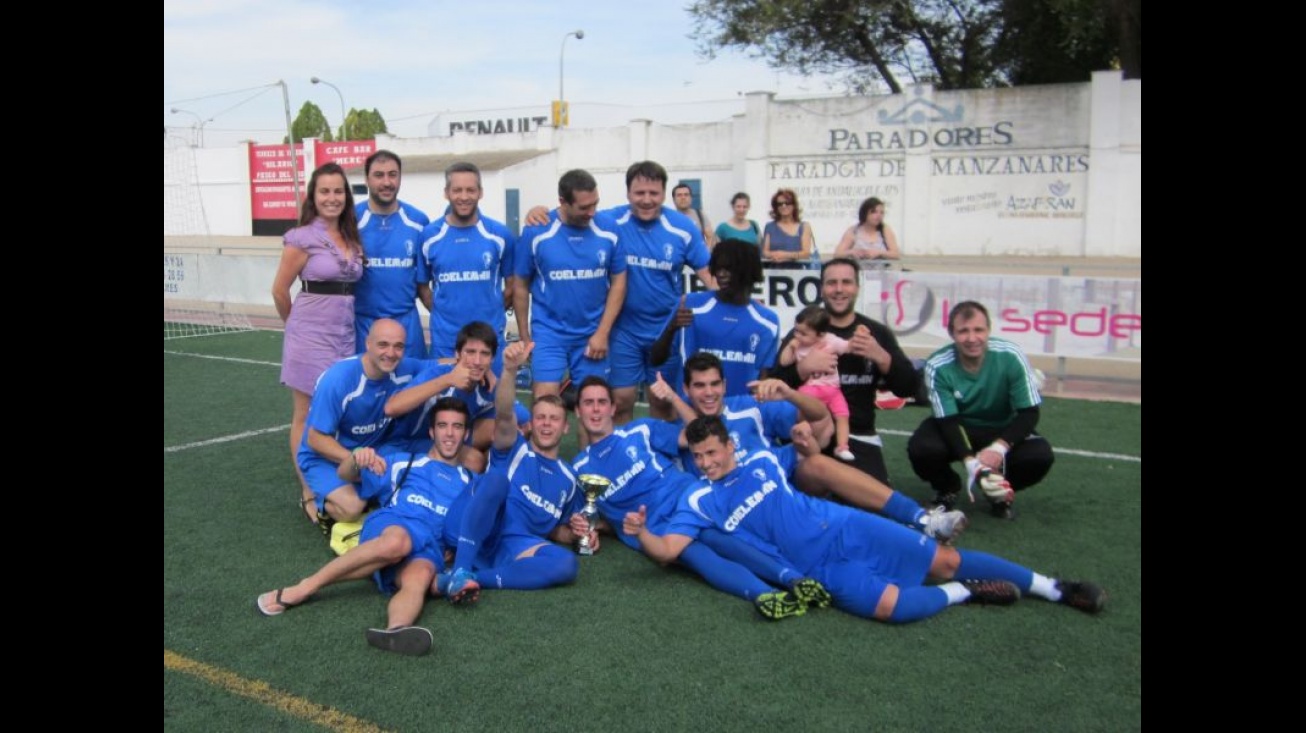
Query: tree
x: 365, y: 125
x: 953, y: 44
x: 310, y: 122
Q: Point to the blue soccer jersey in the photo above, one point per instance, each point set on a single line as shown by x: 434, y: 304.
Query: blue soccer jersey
x: 639, y: 476
x: 570, y: 270
x: 467, y: 267
x: 744, y: 337
x: 655, y: 253
x: 480, y: 401
x: 351, y: 408
x: 388, y: 288
x: 755, y: 503
x: 542, y: 490
x: 417, y: 487
x: 753, y: 426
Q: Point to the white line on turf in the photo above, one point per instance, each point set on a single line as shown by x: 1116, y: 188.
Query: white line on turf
x: 1067, y: 451
x: 223, y: 358
x: 225, y: 439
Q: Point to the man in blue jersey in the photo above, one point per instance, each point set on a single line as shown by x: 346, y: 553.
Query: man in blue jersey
x: 985, y: 400
x: 506, y: 536
x: 570, y: 273
x: 777, y: 413
x: 767, y: 416
x: 627, y: 458
x: 401, y: 543
x: 466, y: 258
x: 872, y: 567
x: 657, y: 243
x: 347, y: 414
x: 391, y: 231
x: 727, y: 322
x: 467, y: 378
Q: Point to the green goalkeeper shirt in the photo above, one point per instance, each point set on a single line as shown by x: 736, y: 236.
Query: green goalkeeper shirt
x: 988, y: 398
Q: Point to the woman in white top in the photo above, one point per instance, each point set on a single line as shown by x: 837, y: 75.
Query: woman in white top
x: 871, y: 238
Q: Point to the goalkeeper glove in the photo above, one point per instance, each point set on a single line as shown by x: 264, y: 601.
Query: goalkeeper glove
x: 994, y: 485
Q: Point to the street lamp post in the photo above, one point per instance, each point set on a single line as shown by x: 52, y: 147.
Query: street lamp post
x: 561, y: 116
x: 196, y: 140
x: 344, y: 119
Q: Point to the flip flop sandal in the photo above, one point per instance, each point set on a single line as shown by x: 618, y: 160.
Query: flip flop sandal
x: 410, y: 640
x: 285, y: 605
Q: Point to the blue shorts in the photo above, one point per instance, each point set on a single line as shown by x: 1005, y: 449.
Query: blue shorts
x: 414, y: 340
x: 506, y: 549
x: 869, y: 554
x: 321, y: 477
x: 555, y: 356
x: 629, y: 356
x: 426, y: 544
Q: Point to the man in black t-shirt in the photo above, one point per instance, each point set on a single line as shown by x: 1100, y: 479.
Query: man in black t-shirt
x: 874, y: 361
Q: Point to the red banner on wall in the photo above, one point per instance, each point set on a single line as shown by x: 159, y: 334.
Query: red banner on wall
x: 350, y: 154
x: 271, y: 181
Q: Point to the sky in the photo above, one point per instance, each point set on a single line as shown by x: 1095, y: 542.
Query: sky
x: 415, y: 59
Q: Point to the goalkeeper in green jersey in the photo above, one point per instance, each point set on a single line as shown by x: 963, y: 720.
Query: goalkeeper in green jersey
x: 985, y: 399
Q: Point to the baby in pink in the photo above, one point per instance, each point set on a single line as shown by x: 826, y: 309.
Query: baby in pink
x: 811, y: 332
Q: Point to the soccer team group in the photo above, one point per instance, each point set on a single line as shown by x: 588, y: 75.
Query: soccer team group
x: 758, y: 468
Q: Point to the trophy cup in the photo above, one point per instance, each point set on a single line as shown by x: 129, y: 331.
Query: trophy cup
x: 593, y: 486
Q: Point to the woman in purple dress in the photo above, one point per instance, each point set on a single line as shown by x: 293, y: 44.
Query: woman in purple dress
x: 326, y: 254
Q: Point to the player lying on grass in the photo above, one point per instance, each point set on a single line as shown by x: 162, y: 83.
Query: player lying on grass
x: 639, y: 477
x: 777, y: 412
x: 872, y: 567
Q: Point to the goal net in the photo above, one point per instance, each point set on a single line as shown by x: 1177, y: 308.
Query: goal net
x: 195, y: 301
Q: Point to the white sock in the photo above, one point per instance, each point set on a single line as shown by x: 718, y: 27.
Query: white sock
x: 957, y: 593
x: 1044, y: 587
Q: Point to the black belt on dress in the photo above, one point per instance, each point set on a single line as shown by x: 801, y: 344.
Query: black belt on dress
x: 327, y: 287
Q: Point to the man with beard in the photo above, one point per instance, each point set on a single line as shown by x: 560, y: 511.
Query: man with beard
x: 391, y: 230
x: 873, y: 357
x: 656, y: 244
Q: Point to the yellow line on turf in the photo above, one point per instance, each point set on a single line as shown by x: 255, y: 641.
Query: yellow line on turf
x: 260, y: 692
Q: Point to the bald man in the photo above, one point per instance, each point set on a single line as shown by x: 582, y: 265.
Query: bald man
x: 347, y: 415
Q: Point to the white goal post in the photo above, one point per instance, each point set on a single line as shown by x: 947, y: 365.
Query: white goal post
x: 198, y: 297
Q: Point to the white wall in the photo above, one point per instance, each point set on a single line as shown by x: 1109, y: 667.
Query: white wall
x: 1051, y: 170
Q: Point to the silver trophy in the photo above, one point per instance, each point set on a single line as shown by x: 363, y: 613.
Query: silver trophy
x: 593, y: 486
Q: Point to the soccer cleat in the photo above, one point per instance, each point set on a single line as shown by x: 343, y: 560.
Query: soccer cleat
x: 779, y: 604
x: 1087, y: 597
x: 992, y: 592
x: 946, y: 499
x: 410, y: 640
x: 811, y: 592
x: 886, y: 400
x: 462, y: 588
x: 1002, y: 510
x: 944, y: 525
